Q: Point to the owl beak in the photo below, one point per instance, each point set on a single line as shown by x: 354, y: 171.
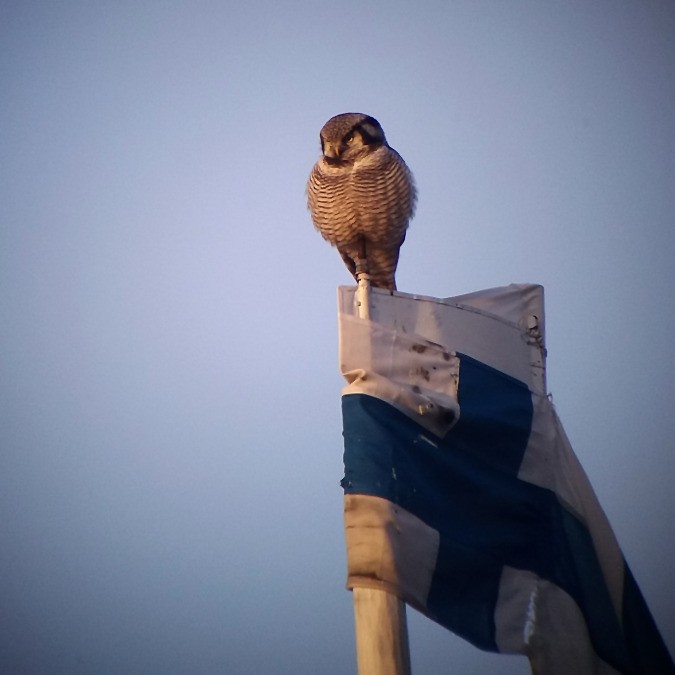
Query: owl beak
x: 331, y: 151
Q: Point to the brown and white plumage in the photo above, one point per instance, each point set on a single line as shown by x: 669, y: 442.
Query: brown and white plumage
x: 361, y: 195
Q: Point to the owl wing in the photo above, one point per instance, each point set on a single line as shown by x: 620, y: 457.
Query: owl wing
x: 385, y: 196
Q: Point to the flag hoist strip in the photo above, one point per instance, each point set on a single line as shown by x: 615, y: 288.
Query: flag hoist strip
x: 463, y: 496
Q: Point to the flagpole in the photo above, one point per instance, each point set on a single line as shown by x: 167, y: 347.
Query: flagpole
x: 379, y: 617
x: 362, y: 297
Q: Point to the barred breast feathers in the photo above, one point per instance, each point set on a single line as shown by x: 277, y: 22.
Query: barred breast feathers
x: 374, y: 198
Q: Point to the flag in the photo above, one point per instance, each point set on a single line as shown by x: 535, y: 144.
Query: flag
x: 462, y: 494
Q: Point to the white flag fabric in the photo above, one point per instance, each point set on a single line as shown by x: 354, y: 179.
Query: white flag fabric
x: 463, y: 495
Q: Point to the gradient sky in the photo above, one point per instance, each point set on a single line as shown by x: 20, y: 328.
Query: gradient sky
x: 170, y: 423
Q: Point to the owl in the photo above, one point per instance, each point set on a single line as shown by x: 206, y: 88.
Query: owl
x: 361, y: 196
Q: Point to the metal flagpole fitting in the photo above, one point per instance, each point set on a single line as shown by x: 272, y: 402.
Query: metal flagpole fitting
x: 361, y: 298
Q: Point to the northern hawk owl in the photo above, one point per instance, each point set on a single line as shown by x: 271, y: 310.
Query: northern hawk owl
x: 361, y: 195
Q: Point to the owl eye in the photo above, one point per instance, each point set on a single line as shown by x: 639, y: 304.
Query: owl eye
x: 349, y: 138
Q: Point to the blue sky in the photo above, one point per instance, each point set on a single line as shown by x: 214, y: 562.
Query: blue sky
x: 170, y: 419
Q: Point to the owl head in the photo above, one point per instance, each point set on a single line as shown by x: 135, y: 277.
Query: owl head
x: 347, y: 137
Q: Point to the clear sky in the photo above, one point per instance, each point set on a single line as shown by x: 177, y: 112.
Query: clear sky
x: 170, y: 402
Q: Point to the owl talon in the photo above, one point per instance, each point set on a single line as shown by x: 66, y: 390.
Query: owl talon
x: 361, y: 266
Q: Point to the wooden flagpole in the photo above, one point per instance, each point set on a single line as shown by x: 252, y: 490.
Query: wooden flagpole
x: 379, y: 617
x: 381, y: 633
